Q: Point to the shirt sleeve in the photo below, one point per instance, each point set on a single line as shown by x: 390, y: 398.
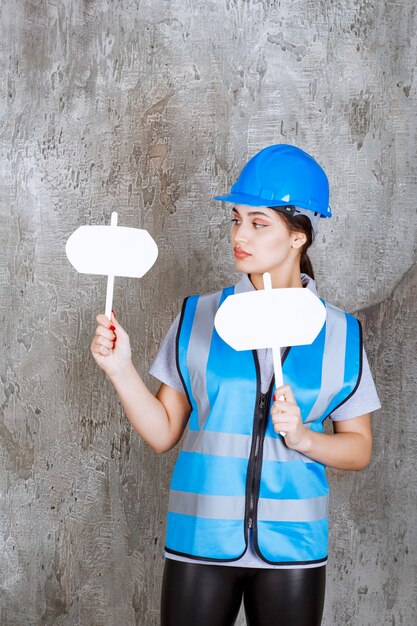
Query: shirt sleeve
x: 364, y: 400
x: 164, y: 365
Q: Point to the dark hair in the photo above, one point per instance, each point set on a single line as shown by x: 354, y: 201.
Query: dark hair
x: 301, y: 223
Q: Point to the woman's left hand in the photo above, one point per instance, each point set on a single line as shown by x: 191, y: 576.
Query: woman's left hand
x: 286, y: 417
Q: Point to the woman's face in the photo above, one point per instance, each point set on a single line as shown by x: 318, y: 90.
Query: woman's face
x: 261, y: 233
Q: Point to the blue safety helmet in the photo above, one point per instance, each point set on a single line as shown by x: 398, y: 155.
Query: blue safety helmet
x: 285, y: 178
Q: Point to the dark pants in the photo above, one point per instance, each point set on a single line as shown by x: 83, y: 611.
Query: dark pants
x: 194, y: 594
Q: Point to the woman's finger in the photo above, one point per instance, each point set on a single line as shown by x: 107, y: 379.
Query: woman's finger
x: 103, y: 341
x: 103, y: 320
x: 281, y: 431
x: 289, y: 418
x: 286, y: 391
x: 284, y: 405
x: 105, y: 332
x: 281, y: 412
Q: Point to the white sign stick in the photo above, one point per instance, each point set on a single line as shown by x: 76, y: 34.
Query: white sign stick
x: 270, y: 318
x: 276, y: 351
x: 110, y: 277
x: 113, y: 251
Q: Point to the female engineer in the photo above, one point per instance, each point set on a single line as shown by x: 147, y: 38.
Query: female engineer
x: 248, y: 507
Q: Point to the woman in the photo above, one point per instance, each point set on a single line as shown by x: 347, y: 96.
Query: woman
x: 248, y: 507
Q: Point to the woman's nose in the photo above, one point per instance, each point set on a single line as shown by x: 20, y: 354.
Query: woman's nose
x: 241, y: 232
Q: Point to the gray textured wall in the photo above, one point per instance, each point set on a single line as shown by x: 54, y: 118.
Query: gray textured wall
x: 150, y: 108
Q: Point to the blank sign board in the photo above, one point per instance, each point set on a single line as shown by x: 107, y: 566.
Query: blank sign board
x: 269, y: 318
x: 113, y: 251
x: 109, y: 250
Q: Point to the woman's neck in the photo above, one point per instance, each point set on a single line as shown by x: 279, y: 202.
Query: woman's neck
x: 280, y: 280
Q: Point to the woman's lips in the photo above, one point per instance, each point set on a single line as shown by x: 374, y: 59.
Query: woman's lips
x: 240, y: 254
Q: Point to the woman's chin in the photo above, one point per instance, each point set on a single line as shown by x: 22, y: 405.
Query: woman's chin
x: 248, y: 265
x: 244, y: 265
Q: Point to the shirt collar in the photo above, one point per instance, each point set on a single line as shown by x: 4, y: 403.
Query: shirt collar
x: 245, y: 284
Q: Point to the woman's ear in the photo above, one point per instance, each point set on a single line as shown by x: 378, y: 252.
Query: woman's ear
x: 298, y: 239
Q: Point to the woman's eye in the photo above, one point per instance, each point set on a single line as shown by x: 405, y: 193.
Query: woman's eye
x: 234, y: 220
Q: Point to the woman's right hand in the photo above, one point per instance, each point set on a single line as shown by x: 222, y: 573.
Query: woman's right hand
x: 111, y: 348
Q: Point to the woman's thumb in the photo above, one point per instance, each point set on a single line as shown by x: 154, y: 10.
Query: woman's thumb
x: 115, y: 322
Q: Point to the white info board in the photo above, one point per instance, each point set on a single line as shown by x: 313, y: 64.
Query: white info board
x: 112, y: 251
x: 270, y: 318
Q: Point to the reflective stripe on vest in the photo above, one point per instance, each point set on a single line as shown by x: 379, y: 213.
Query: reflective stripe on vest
x: 234, y: 470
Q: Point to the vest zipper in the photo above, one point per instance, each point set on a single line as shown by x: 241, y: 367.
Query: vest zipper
x: 260, y: 415
x: 256, y: 453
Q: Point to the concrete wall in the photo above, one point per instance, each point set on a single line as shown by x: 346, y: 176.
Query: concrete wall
x: 150, y: 108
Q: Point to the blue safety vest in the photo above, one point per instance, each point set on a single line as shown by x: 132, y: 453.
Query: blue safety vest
x: 234, y: 471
